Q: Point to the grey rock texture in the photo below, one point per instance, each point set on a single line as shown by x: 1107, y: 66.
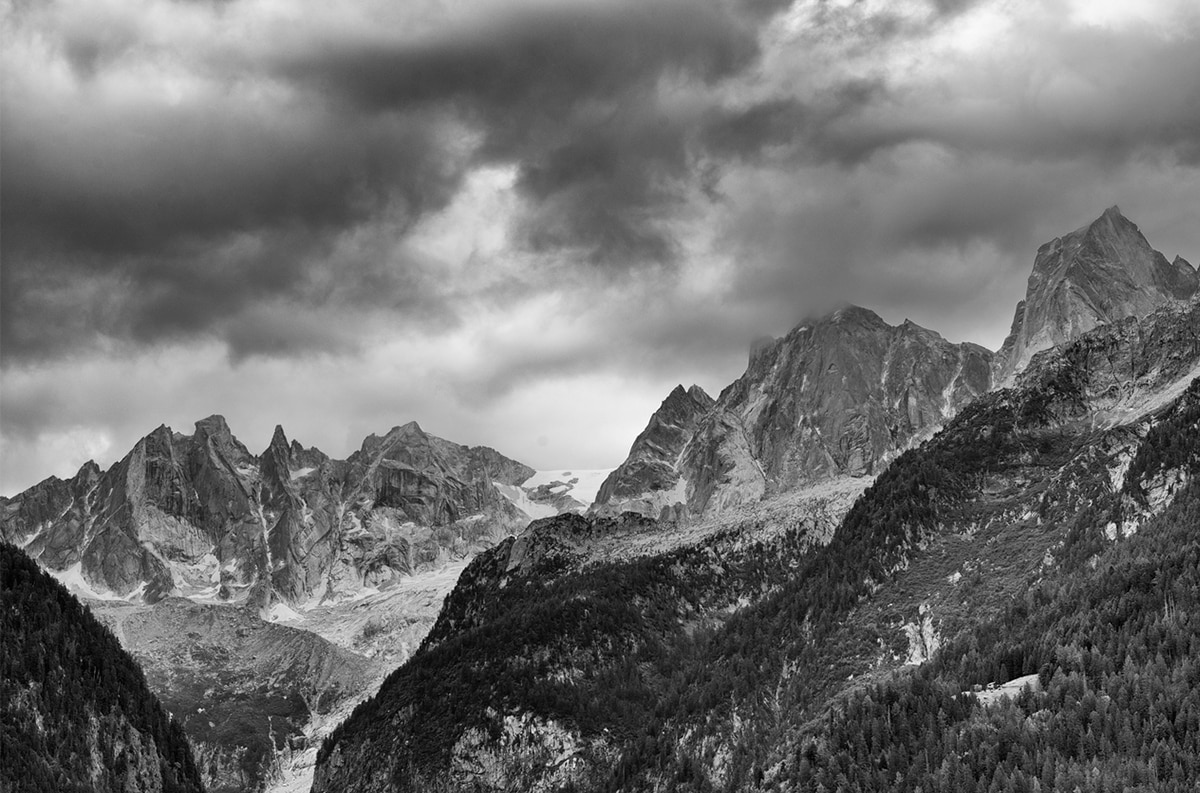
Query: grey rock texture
x: 645, y: 482
x: 243, y: 689
x: 837, y: 396
x: 201, y: 515
x: 1100, y: 273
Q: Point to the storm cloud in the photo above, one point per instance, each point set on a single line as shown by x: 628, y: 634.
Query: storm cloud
x: 454, y: 214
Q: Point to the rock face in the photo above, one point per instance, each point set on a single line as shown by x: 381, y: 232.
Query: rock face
x: 75, y: 709
x: 1100, y: 273
x: 840, y: 395
x: 837, y: 396
x: 201, y: 516
x: 246, y: 691
x: 649, y: 482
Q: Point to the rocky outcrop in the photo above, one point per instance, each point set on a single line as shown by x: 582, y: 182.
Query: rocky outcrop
x: 1100, y: 273
x: 200, y: 515
x: 649, y: 480
x: 839, y: 395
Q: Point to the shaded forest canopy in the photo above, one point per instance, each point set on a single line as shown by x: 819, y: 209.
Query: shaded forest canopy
x: 75, y: 712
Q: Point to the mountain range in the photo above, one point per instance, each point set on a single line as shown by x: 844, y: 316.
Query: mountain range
x: 735, y: 651
x: 862, y: 497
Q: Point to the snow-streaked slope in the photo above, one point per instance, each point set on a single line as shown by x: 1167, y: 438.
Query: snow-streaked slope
x: 521, y: 500
x: 72, y: 578
x: 581, y: 484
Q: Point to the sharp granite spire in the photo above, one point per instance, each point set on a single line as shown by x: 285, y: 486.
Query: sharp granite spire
x: 1097, y: 274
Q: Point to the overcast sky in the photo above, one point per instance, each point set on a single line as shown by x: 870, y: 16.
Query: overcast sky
x: 522, y: 223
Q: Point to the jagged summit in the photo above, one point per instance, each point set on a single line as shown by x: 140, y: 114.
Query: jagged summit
x: 837, y: 395
x: 846, y: 314
x: 1103, y: 271
x: 201, y: 516
x: 214, y: 424
x: 694, y: 393
x: 648, y: 481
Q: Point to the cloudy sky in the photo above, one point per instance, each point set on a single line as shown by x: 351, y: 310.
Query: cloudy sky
x: 521, y: 223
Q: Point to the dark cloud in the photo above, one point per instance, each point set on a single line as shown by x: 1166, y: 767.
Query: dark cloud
x: 573, y: 96
x: 127, y: 185
x: 527, y: 64
x: 200, y: 208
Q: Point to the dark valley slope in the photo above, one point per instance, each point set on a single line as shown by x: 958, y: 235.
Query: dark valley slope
x: 75, y: 712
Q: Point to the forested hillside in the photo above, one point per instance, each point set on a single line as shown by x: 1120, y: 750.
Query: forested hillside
x: 1114, y: 640
x: 75, y: 713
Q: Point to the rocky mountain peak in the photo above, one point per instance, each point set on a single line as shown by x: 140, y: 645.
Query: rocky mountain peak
x: 404, y: 433
x: 1184, y: 270
x: 854, y: 315
x: 188, y: 514
x: 839, y: 394
x: 214, y: 425
x: 648, y: 481
x: 161, y: 437
x: 279, y: 438
x: 276, y: 464
x: 375, y: 447
x: 700, y: 396
x: 686, y: 398
x: 1099, y: 273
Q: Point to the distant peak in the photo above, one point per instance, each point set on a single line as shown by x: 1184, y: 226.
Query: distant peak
x: 1111, y: 218
x: 852, y: 313
x: 162, y: 433
x: 88, y: 468
x: 908, y: 326
x: 279, y: 438
x: 698, y: 394
x: 213, y: 424
x: 400, y: 429
x: 681, y: 396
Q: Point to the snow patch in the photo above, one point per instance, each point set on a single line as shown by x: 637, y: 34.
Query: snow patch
x: 521, y: 500
x: 300, y: 473
x: 72, y: 578
x: 281, y: 612
x: 583, y: 489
